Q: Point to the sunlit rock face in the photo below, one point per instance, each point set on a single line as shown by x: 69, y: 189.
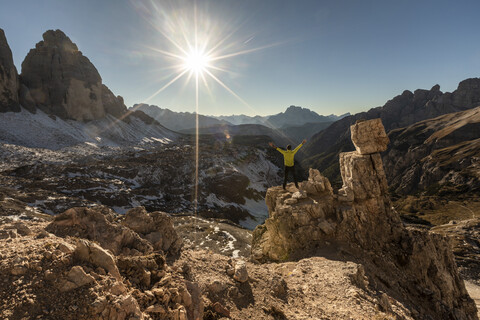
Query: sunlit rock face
x: 360, y: 223
x: 8, y: 78
x: 61, y: 81
x: 369, y: 136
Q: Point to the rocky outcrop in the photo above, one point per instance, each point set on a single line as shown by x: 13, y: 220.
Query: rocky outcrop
x: 45, y: 276
x: 96, y: 224
x: 359, y: 224
x: 60, y: 80
x: 112, y: 104
x: 156, y: 227
x: 9, y: 84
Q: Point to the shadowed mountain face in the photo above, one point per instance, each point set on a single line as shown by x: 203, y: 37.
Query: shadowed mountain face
x: 63, y: 82
x: 403, y: 110
x: 59, y: 84
x: 8, y: 78
x: 438, y: 156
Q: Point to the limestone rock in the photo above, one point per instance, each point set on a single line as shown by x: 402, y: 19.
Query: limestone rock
x: 196, y: 308
x: 96, y: 224
x: 22, y: 228
x: 369, y: 136
x: 467, y: 94
x: 61, y: 81
x: 113, y: 105
x: 142, y: 271
x: 76, y: 278
x: 156, y: 227
x: 92, y: 253
x: 363, y: 175
x: 241, y: 273
x: 9, y: 84
x: 316, y: 184
x: 221, y: 310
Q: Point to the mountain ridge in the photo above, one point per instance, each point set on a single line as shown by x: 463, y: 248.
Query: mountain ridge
x: 400, y: 111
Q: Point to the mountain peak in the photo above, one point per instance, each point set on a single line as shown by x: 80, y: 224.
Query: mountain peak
x: 298, y: 109
x: 58, y: 79
x: 59, y: 39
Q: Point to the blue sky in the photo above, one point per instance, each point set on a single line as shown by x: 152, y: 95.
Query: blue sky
x: 330, y: 56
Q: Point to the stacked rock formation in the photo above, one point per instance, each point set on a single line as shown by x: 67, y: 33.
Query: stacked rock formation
x: 359, y: 224
x: 8, y: 78
x: 362, y: 170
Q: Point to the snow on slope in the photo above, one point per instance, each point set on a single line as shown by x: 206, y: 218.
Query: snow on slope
x: 262, y: 174
x: 43, y: 131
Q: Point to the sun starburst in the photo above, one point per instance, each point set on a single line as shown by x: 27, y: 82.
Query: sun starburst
x: 196, y: 61
x: 198, y: 49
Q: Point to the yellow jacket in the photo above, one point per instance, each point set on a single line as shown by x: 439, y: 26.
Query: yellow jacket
x: 289, y: 154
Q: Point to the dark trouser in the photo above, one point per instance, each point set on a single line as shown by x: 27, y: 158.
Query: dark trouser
x: 287, y: 169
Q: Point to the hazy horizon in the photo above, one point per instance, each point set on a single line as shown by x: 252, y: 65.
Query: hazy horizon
x: 331, y: 57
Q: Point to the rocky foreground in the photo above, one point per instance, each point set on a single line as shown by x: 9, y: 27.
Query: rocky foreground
x: 52, y: 275
x: 320, y: 255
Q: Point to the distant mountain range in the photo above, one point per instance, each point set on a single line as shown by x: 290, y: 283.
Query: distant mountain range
x: 177, y: 121
x: 242, y: 119
x: 292, y: 117
x: 289, y: 127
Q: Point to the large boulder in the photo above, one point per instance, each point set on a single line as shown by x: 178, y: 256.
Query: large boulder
x: 369, y: 136
x: 156, y: 227
x: 9, y: 84
x: 61, y: 81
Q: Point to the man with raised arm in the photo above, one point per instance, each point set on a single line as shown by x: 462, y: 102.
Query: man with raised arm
x: 288, y: 157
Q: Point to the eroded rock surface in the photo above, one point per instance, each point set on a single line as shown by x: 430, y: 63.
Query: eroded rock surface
x: 156, y: 227
x: 369, y: 136
x: 96, y: 224
x: 51, y: 277
x: 360, y: 224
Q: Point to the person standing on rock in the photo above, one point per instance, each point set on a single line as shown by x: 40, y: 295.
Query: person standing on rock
x: 288, y: 159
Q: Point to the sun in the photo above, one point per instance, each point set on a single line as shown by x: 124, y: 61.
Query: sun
x: 196, y: 61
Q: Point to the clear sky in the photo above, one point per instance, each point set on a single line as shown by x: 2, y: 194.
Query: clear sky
x: 330, y: 56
